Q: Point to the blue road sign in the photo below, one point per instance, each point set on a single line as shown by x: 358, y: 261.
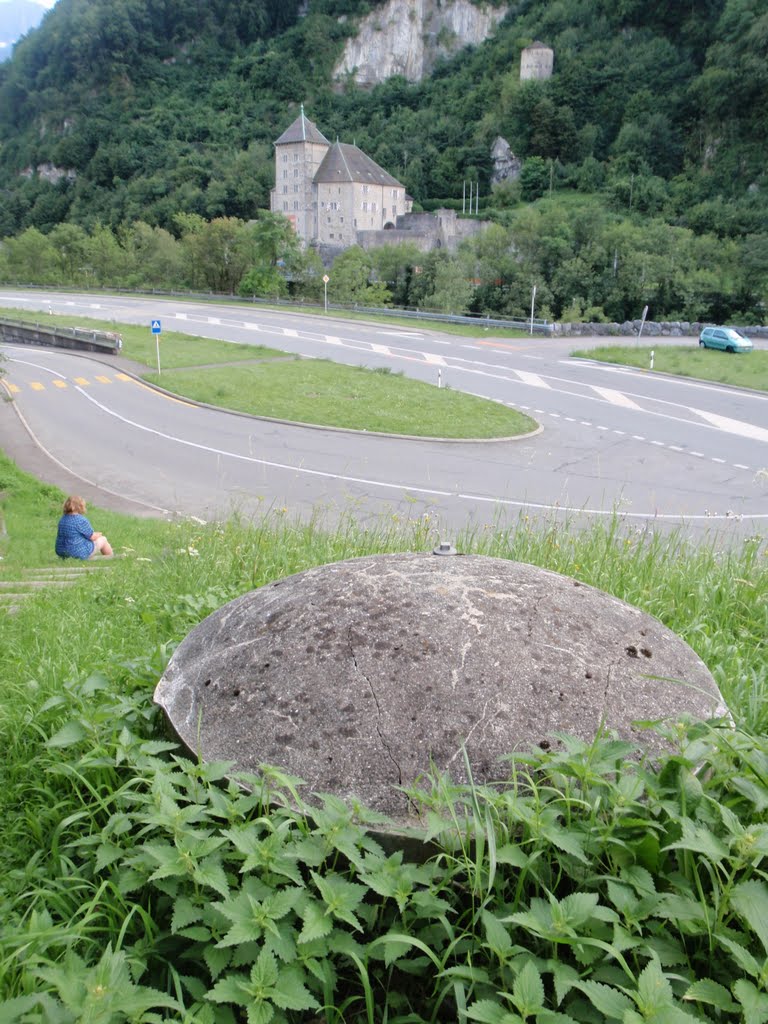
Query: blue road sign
x: 156, y: 328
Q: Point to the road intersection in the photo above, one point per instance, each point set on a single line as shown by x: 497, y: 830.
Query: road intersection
x: 614, y: 440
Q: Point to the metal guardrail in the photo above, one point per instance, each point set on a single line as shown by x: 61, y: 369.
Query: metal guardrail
x: 535, y: 325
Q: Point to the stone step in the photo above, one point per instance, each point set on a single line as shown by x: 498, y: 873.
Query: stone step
x: 32, y: 585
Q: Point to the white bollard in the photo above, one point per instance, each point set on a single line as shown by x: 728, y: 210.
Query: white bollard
x: 651, y: 358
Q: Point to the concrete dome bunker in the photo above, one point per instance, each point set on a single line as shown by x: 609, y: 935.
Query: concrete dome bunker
x: 359, y: 675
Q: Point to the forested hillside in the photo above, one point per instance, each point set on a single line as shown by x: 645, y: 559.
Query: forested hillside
x: 119, y: 111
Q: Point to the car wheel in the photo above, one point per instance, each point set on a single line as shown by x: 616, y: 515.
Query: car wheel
x: 701, y: 344
x: 730, y: 348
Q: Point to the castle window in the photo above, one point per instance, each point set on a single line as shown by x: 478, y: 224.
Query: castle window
x: 285, y: 205
x: 373, y: 207
x: 365, y: 206
x: 295, y: 188
x: 285, y: 174
x: 285, y: 158
x: 295, y: 158
x: 285, y: 189
x: 295, y: 204
x: 296, y: 173
x: 365, y: 189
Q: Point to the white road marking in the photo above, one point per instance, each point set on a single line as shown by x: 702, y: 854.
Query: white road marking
x: 733, y: 426
x: 615, y: 397
x: 533, y: 379
x: 426, y: 491
x: 434, y: 359
x: 382, y: 350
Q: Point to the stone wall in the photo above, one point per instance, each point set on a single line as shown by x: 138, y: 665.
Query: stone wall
x: 651, y: 329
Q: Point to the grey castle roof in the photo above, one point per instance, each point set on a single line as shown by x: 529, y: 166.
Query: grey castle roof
x: 302, y: 130
x: 343, y: 162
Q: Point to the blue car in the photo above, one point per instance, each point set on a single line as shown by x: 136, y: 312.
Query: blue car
x: 724, y: 338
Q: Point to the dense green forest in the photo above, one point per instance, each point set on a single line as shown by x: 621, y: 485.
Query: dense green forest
x: 644, y: 155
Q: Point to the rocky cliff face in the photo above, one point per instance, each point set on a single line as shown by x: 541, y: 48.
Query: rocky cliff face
x: 406, y: 37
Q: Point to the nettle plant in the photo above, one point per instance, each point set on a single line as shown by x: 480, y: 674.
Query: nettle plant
x: 589, y: 886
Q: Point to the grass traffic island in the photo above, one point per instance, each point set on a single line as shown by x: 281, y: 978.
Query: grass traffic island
x: 330, y: 394
x: 280, y: 385
x: 138, y: 884
x: 743, y: 370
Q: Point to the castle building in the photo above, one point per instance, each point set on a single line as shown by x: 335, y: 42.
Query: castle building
x: 332, y: 191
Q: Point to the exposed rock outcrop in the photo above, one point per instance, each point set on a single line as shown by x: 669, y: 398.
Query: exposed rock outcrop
x: 506, y: 166
x: 406, y: 37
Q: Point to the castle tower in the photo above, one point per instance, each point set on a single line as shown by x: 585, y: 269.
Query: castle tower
x: 536, y: 62
x: 298, y: 153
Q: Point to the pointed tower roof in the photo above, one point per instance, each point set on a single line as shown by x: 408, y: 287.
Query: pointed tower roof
x: 302, y: 130
x: 343, y: 162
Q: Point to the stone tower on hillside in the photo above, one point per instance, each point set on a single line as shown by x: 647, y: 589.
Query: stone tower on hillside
x: 536, y: 62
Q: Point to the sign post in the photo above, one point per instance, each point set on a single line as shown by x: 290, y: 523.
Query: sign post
x: 326, y: 279
x: 156, y: 329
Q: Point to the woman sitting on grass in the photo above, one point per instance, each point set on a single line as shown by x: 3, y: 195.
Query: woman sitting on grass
x: 75, y: 537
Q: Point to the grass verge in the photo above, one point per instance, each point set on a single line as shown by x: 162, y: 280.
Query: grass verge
x: 745, y: 370
x: 320, y: 392
x: 267, y: 382
x: 139, y: 885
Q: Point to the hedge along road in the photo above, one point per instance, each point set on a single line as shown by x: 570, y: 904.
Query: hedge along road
x: 681, y: 453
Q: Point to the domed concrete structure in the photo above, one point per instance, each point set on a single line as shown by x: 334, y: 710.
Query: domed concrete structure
x: 360, y: 675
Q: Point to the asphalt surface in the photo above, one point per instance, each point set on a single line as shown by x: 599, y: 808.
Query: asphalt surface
x: 655, y: 449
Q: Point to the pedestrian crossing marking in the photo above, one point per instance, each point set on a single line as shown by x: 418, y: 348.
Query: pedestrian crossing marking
x: 123, y: 376
x: 37, y: 386
x: 60, y: 383
x: 14, y: 389
x: 82, y: 380
x: 103, y: 380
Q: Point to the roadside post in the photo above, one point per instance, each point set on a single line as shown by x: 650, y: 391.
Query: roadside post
x: 533, y: 306
x: 642, y: 323
x: 156, y: 329
x: 326, y: 279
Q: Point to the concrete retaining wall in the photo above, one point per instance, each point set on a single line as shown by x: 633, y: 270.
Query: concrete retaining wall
x: 80, y: 338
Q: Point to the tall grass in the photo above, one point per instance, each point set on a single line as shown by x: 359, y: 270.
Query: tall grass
x: 136, y: 885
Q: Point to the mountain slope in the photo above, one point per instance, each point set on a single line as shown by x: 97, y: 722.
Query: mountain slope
x: 16, y: 18
x: 158, y: 108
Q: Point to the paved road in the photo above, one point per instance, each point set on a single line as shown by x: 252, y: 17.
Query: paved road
x: 654, y: 448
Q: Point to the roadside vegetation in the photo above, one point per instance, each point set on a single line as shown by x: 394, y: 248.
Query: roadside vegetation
x: 268, y: 382
x: 745, y: 370
x: 137, y: 884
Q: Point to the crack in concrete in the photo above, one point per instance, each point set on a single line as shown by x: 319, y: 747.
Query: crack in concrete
x: 482, y: 720
x: 382, y: 740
